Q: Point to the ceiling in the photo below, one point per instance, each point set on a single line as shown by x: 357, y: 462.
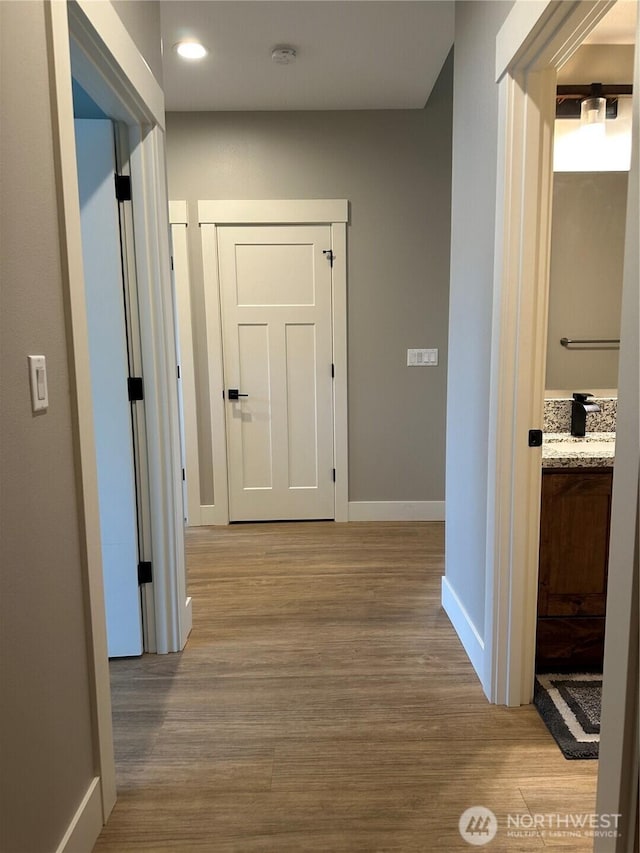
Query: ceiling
x: 370, y: 54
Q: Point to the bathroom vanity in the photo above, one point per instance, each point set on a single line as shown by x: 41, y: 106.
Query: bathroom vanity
x: 574, y: 547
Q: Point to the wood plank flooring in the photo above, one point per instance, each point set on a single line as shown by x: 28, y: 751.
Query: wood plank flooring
x: 324, y: 703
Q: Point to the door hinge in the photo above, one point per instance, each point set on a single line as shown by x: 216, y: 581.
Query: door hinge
x: 123, y: 188
x: 135, y: 388
x: 184, y: 476
x: 333, y: 371
x: 334, y: 475
x: 171, y: 261
x: 328, y: 253
x: 145, y: 574
x: 178, y: 370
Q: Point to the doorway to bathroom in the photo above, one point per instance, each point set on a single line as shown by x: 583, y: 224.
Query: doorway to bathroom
x: 530, y: 48
x: 591, y: 161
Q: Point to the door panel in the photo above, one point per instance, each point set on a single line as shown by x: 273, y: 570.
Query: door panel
x: 275, y: 286
x: 109, y: 371
x: 274, y: 275
x: 302, y: 413
x: 252, y: 418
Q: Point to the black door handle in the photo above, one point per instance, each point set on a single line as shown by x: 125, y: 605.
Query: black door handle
x: 234, y: 394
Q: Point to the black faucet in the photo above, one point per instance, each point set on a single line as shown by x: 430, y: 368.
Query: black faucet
x: 579, y: 408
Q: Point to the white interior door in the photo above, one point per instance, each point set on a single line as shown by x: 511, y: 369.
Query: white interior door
x: 275, y: 286
x: 109, y: 372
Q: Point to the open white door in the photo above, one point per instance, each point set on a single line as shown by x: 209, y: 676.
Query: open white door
x: 109, y: 372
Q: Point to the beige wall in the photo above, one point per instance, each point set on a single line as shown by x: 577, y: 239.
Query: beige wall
x: 585, y: 281
x: 142, y: 20
x: 47, y: 757
x: 394, y: 167
x: 475, y: 136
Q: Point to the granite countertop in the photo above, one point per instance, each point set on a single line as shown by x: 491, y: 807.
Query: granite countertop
x: 562, y: 450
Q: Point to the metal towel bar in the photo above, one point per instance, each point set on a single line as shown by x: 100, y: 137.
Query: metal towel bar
x: 609, y: 342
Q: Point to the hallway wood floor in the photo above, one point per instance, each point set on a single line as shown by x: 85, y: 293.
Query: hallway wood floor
x: 324, y: 703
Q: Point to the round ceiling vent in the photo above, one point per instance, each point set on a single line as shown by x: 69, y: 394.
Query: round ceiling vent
x: 283, y: 55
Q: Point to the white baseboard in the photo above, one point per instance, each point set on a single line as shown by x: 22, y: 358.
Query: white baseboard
x: 185, y: 628
x: 358, y: 511
x: 464, y: 628
x: 86, y: 825
x: 396, y: 511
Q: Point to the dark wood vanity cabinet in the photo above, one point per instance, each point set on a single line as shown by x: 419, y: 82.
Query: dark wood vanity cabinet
x: 574, y: 553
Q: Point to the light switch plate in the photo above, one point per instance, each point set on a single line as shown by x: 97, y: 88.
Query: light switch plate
x: 422, y: 358
x: 38, y: 382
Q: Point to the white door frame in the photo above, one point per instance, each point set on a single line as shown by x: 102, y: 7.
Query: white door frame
x: 333, y: 212
x: 114, y: 73
x: 178, y: 218
x: 535, y: 40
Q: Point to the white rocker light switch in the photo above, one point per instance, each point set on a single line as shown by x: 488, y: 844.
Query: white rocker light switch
x: 38, y: 382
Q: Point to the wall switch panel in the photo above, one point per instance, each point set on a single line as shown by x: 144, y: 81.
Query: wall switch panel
x: 422, y: 358
x: 38, y: 382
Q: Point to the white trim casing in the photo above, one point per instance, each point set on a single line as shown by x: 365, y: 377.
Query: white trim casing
x: 182, y: 280
x: 86, y: 824
x: 396, y: 511
x: 178, y: 213
x: 218, y: 512
x: 113, y: 55
x: 340, y: 360
x: 333, y: 212
x: 518, y: 388
x: 276, y: 212
x: 527, y: 40
x: 464, y: 627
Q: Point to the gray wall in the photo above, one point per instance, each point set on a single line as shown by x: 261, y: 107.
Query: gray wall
x: 47, y: 748
x: 394, y: 167
x: 142, y: 20
x: 585, y: 282
x: 475, y: 118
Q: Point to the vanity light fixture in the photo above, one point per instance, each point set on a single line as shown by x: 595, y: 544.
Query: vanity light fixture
x: 190, y: 49
x: 593, y: 110
x: 593, y: 116
x: 591, y: 103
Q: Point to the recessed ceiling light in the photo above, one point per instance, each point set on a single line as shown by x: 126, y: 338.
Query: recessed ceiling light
x: 283, y: 55
x: 190, y: 49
